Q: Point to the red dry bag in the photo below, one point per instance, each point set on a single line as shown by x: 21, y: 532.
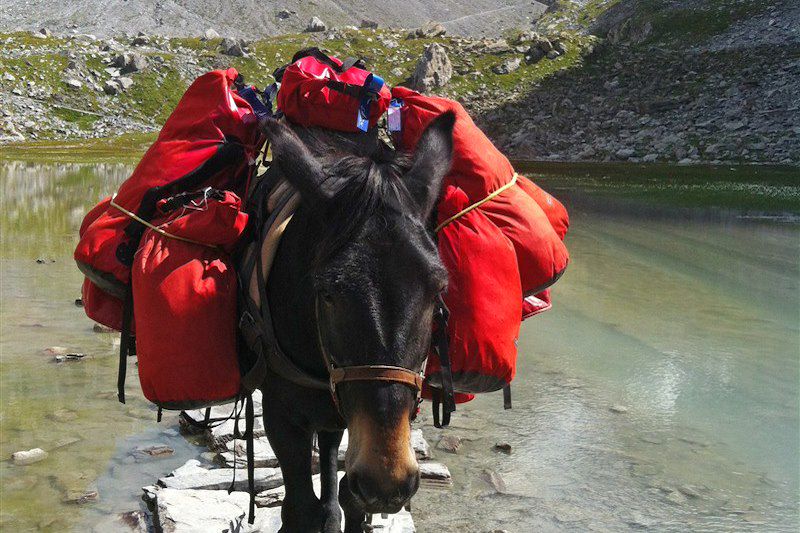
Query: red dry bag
x: 500, y: 237
x: 185, y: 302
x: 320, y: 90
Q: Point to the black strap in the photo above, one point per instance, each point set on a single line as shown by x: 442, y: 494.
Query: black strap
x: 248, y: 434
x: 125, y: 341
x: 228, y: 152
x: 442, y: 345
x: 507, y: 396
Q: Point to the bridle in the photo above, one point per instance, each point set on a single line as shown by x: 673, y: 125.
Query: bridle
x: 344, y: 374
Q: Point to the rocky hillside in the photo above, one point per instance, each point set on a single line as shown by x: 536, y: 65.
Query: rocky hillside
x: 631, y: 80
x: 254, y: 19
x: 673, y: 80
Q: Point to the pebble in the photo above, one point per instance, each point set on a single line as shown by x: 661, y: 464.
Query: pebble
x: 502, y: 447
x: 28, y: 457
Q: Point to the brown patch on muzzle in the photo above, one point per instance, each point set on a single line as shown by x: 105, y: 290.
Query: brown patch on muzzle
x: 382, y: 469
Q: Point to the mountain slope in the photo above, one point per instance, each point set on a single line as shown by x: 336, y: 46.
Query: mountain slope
x: 259, y: 18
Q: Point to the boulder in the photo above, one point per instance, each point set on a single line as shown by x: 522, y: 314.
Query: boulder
x: 429, y: 31
x: 534, y: 54
x: 141, y: 39
x: 74, y: 84
x: 316, y: 25
x: 553, y: 54
x: 284, y: 14
x: 560, y: 47
x: 232, y: 47
x: 210, y: 33
x: 433, y: 69
x: 207, y: 511
x: 124, y: 83
x: 129, y: 62
x: 193, y: 476
x: 368, y: 24
x: 508, y: 66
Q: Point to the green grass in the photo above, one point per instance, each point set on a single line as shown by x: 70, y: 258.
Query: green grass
x: 750, y: 188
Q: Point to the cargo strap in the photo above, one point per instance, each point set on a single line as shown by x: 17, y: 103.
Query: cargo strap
x: 479, y: 203
x: 443, y: 398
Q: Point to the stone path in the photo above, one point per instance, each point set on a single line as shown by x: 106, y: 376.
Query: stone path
x: 194, y: 497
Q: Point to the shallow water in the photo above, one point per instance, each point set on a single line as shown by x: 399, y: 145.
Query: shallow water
x: 687, y: 318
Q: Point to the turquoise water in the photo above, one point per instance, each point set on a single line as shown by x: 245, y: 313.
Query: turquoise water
x: 687, y: 319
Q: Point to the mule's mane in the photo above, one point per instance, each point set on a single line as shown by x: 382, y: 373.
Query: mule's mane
x: 364, y: 188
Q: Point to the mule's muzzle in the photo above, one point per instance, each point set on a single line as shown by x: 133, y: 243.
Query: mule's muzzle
x: 378, y: 494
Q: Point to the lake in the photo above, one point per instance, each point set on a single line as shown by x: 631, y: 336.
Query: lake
x: 660, y: 393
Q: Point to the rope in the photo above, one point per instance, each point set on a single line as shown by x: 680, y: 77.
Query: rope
x: 158, y: 230
x: 479, y: 203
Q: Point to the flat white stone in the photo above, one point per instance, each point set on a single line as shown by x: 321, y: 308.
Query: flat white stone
x: 420, y: 445
x: 436, y: 472
x: 193, y: 476
x: 263, y: 454
x: 215, y: 511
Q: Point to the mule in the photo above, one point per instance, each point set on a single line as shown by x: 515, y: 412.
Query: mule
x: 356, y: 279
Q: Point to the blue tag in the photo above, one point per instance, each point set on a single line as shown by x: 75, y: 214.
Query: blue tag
x: 394, y: 118
x: 373, y: 85
x: 249, y: 94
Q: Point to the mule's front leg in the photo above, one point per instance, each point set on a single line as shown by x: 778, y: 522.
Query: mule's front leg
x: 328, y: 467
x: 354, y: 516
x: 302, y: 511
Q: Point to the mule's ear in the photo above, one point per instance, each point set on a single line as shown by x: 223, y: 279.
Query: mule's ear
x: 303, y: 171
x: 431, y: 162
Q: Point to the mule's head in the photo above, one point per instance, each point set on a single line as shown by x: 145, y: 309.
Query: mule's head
x: 377, y: 275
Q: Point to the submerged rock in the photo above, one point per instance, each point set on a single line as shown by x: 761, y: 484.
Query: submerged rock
x: 619, y: 409
x: 80, y: 498
x: 28, y: 457
x: 450, y: 443
x: 494, y: 480
x: 502, y: 447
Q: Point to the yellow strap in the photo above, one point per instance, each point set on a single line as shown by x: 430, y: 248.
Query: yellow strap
x: 156, y: 228
x: 479, y: 203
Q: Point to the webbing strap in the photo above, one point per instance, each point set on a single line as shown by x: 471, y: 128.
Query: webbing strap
x: 125, y: 341
x: 479, y: 203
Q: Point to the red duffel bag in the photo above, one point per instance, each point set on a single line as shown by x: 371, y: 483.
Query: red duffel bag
x: 210, y: 139
x: 500, y: 237
x: 184, y: 302
x: 320, y: 90
x: 484, y: 297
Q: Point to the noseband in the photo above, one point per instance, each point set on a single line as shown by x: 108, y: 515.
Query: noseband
x: 342, y: 374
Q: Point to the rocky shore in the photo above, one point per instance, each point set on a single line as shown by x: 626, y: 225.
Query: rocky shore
x: 209, y: 493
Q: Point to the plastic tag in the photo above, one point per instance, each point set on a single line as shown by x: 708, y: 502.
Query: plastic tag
x: 394, y: 117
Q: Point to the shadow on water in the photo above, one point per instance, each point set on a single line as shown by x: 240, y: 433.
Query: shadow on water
x: 680, y: 313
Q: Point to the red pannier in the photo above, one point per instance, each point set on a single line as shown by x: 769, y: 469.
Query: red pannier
x: 501, y: 256
x: 185, y: 302
x: 320, y: 90
x: 210, y: 139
